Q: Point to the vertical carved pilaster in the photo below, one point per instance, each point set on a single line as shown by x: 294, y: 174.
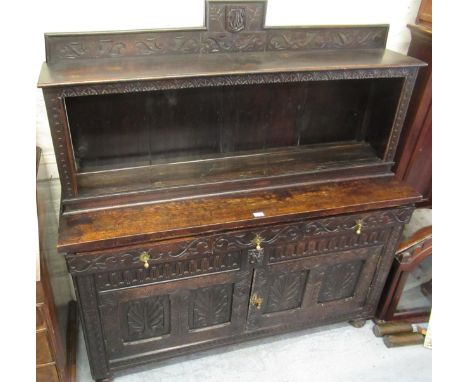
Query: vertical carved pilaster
x: 61, y: 140
x: 401, y: 113
x: 87, y: 298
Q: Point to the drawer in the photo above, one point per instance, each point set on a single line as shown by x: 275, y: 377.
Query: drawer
x: 47, y: 373
x: 43, y: 351
x: 184, y: 258
x: 40, y: 322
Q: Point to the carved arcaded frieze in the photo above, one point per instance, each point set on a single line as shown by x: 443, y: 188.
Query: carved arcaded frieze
x: 121, y: 278
x: 318, y: 245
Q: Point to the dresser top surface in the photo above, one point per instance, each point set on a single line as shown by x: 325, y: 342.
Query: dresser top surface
x: 90, y: 72
x: 136, y: 224
x: 98, y: 71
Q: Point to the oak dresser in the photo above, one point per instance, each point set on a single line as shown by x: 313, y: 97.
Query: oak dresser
x: 225, y: 183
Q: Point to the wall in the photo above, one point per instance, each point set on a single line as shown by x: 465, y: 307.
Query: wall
x: 107, y: 15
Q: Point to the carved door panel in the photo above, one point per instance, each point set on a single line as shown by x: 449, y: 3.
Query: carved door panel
x: 148, y: 319
x: 314, y: 289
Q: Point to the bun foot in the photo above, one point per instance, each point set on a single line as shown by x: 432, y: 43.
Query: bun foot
x: 357, y: 323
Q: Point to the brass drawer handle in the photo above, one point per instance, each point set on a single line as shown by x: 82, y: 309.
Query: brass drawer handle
x: 256, y: 300
x: 144, y: 257
x: 358, y: 226
x: 257, y: 241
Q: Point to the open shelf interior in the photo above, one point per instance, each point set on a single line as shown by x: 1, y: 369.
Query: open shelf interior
x: 157, y: 139
x: 246, y: 165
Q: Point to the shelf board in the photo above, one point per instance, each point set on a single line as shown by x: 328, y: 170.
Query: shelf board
x: 221, y: 168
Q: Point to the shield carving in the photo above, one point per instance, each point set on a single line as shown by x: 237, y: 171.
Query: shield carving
x: 235, y: 19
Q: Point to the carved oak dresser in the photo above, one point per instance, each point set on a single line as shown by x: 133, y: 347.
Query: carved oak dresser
x: 225, y: 183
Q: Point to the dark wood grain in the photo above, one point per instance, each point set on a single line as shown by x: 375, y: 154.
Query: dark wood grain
x: 227, y: 182
x: 315, y: 122
x: 90, y: 72
x: 120, y: 100
x: 221, y: 169
x: 130, y: 225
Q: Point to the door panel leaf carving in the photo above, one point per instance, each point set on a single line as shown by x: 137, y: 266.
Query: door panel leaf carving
x: 340, y: 281
x: 136, y: 319
x: 286, y: 291
x: 210, y: 306
x: 147, y: 318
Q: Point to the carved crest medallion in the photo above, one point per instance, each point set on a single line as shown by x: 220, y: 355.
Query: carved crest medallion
x: 235, y: 18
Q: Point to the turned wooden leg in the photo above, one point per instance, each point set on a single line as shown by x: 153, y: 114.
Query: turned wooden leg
x: 357, y: 323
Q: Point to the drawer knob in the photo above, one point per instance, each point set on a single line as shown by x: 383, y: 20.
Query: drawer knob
x: 358, y: 226
x: 256, y: 300
x: 257, y: 241
x: 144, y: 257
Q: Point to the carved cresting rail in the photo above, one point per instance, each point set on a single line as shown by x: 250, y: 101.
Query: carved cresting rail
x: 228, y: 27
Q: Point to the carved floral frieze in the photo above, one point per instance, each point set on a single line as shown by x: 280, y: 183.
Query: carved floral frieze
x: 326, y: 39
x: 229, y: 27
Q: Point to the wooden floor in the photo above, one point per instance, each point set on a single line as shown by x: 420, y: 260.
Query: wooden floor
x: 340, y: 353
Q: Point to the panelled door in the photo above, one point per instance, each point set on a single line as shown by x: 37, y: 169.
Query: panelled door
x: 313, y: 289
x: 150, y: 319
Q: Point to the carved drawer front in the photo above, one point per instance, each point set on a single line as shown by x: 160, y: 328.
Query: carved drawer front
x: 47, y: 373
x: 314, y: 289
x: 148, y: 319
x: 171, y: 260
x: 315, y: 237
x: 184, y: 258
x: 43, y: 351
x: 40, y: 321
